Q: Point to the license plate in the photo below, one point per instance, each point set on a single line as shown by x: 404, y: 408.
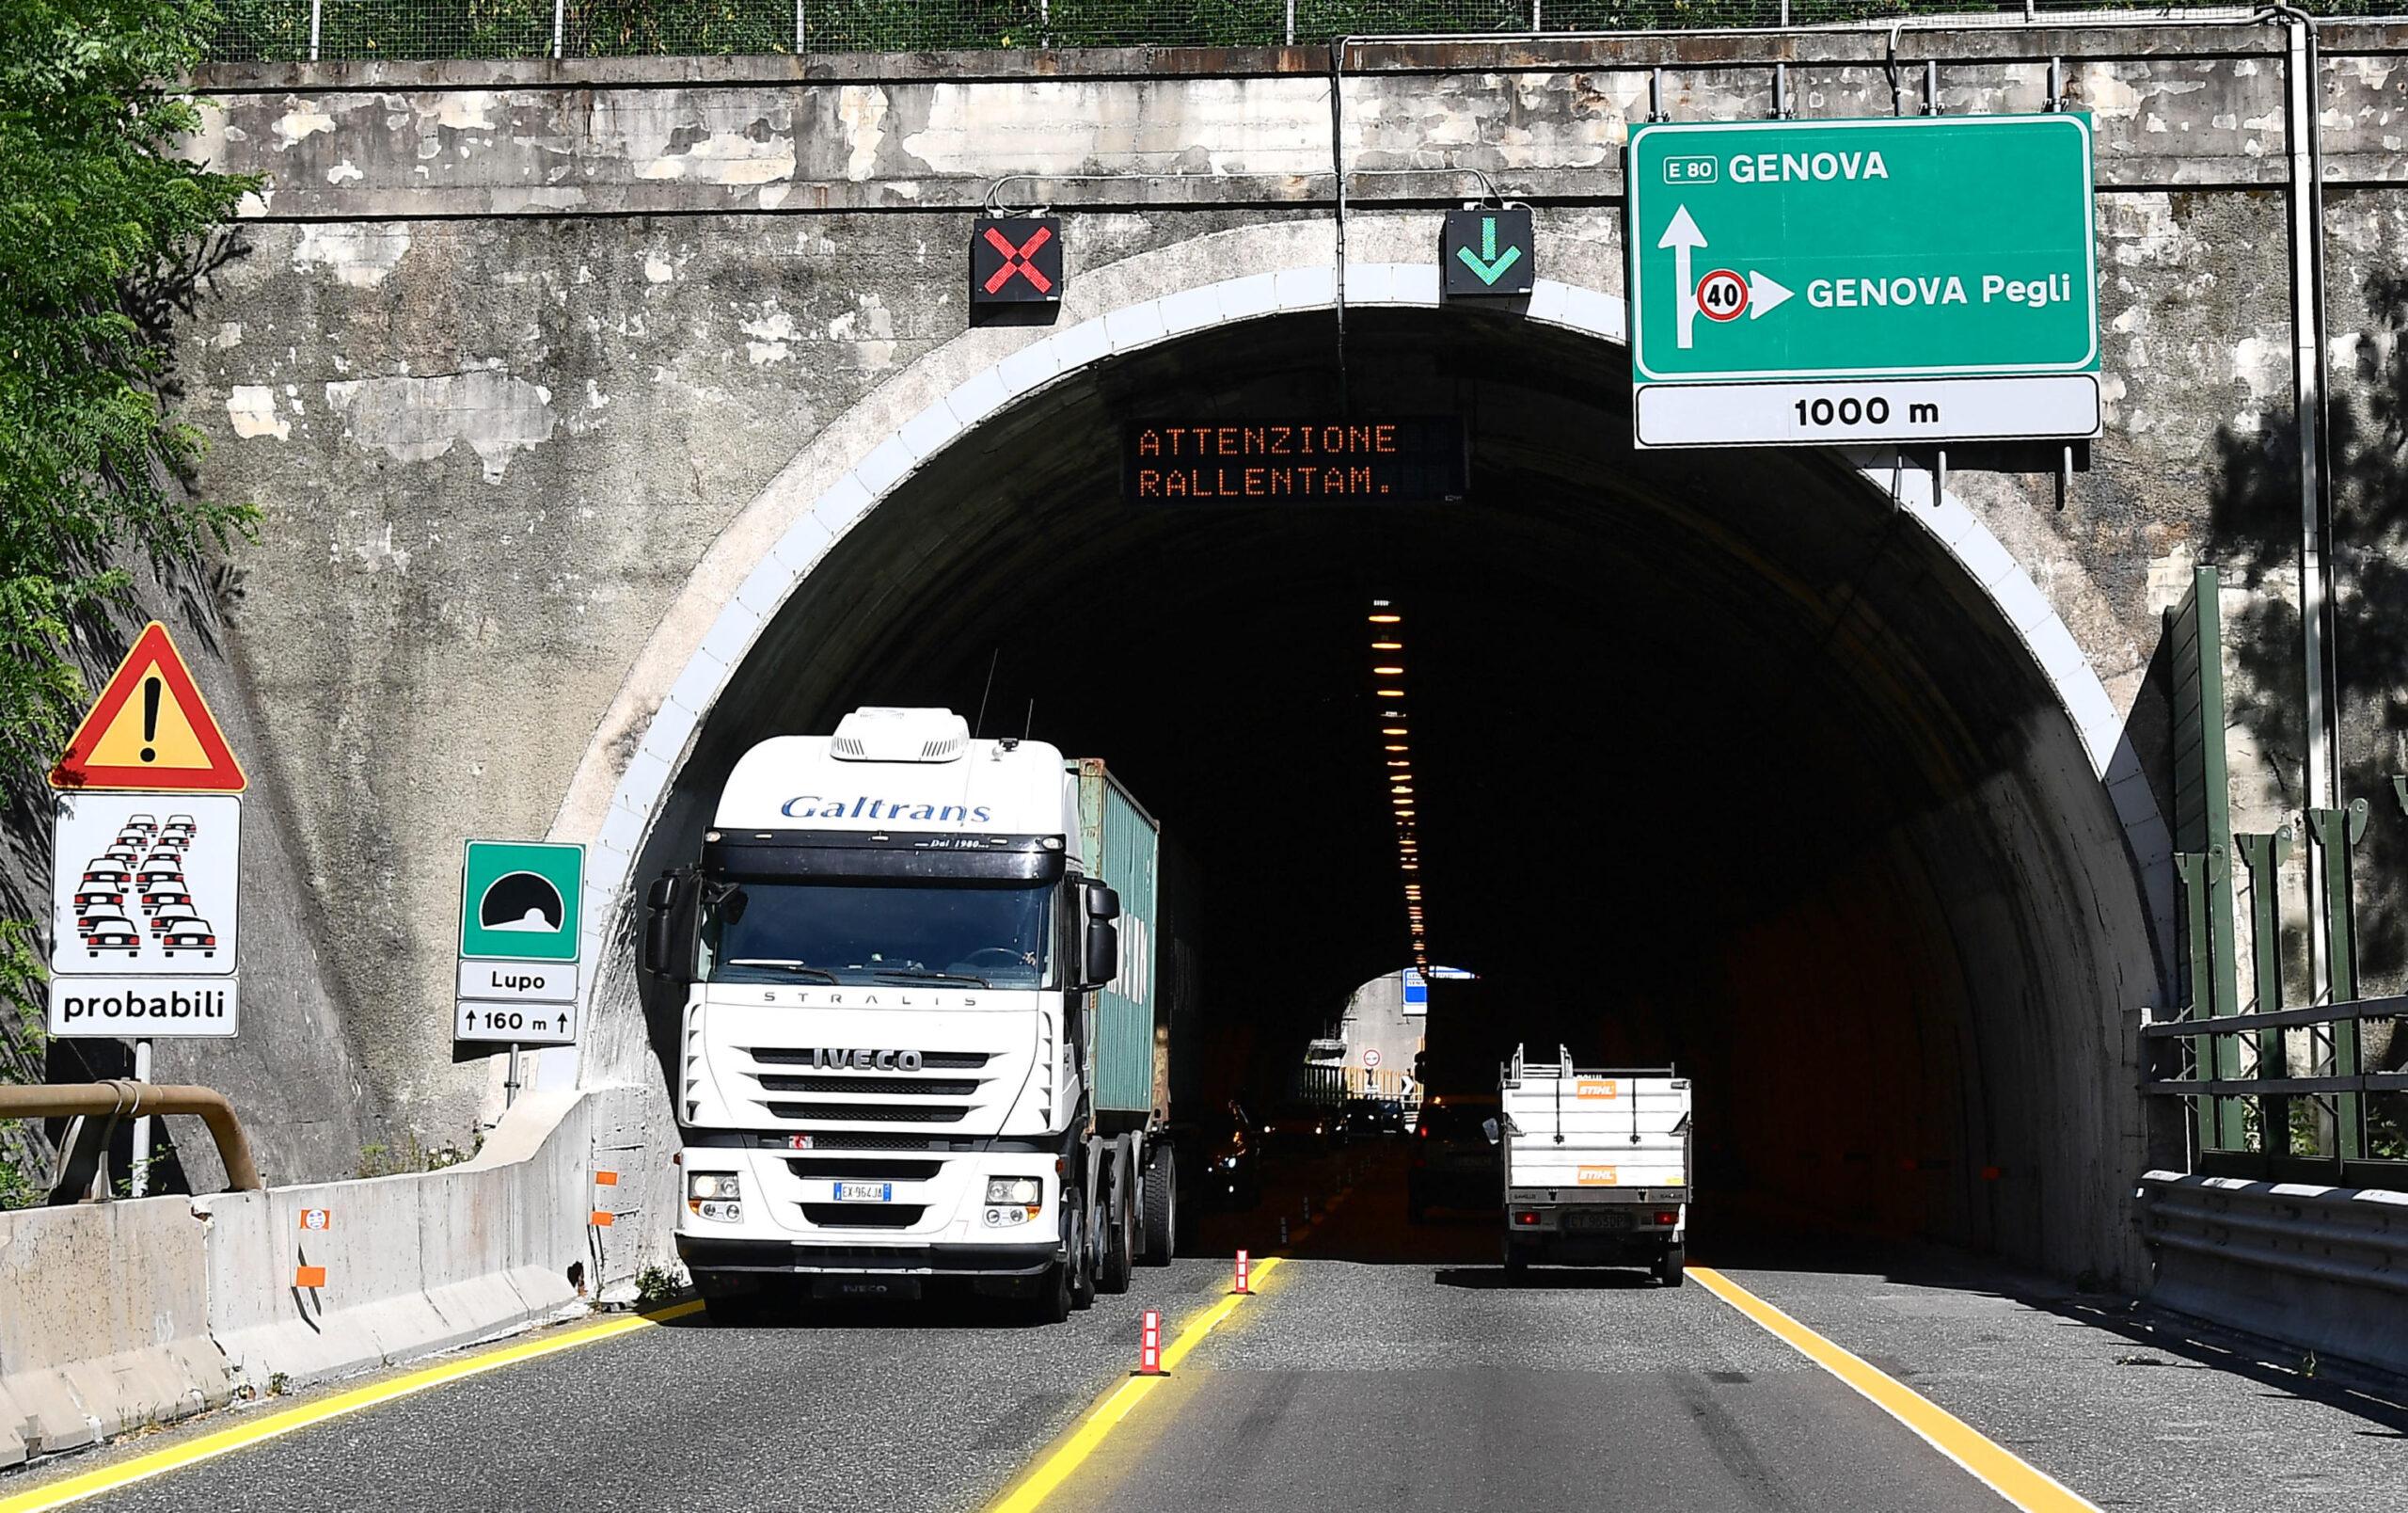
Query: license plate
x: 864, y: 1192
x: 1598, y: 1218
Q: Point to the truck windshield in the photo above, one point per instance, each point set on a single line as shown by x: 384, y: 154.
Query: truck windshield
x: 966, y: 933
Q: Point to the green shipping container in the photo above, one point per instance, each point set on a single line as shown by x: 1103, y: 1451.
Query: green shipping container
x: 1119, y: 842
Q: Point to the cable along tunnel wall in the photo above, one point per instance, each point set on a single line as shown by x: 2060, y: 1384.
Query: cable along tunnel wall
x: 1869, y: 860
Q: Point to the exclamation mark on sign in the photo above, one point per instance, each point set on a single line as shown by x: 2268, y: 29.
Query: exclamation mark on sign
x: 149, y: 718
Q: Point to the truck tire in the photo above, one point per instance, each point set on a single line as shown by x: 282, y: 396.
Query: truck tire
x: 1161, y: 1202
x: 731, y: 1300
x: 1673, y: 1265
x: 1081, y: 1267
x: 1517, y: 1260
x: 1051, y: 1303
x: 1116, y: 1260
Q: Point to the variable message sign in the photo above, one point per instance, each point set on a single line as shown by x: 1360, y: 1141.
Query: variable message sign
x: 1296, y: 459
x: 1853, y: 274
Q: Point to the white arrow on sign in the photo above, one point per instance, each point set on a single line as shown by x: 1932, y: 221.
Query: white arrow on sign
x: 1681, y: 236
x: 1764, y: 294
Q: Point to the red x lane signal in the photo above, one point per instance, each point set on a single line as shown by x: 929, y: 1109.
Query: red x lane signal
x: 1013, y: 261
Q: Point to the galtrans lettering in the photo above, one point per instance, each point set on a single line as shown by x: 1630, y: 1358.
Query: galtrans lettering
x: 812, y: 806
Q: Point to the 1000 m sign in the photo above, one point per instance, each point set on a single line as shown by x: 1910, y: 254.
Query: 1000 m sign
x: 1829, y: 281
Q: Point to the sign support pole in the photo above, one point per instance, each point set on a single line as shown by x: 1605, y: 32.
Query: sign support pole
x: 510, y: 1079
x: 141, y: 1166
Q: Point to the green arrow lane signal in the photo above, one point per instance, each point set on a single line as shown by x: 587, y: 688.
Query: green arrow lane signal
x: 1488, y: 265
x: 1488, y: 251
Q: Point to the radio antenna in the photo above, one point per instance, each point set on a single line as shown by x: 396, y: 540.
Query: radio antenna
x: 1031, y: 727
x: 980, y: 724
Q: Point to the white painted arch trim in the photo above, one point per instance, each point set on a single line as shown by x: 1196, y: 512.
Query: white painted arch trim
x: 732, y: 622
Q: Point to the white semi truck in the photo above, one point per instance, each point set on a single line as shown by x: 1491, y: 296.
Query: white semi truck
x: 1597, y: 1165
x: 921, y: 1036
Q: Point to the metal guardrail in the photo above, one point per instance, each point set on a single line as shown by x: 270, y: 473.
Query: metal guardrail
x: 310, y: 30
x: 2325, y: 1268
x: 122, y: 1099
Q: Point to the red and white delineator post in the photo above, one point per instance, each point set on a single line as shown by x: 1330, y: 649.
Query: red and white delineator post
x: 1244, y: 1267
x: 1150, y: 1344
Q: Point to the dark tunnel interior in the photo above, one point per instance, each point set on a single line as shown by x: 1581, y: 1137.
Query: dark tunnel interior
x: 1720, y: 759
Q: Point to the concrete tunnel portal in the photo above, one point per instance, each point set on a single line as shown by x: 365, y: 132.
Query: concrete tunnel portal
x: 1721, y: 759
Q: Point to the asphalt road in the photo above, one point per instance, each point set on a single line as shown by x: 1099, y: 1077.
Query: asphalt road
x: 1385, y: 1365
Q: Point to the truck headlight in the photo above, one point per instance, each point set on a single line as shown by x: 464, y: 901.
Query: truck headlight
x: 715, y: 1194
x: 1020, y: 1192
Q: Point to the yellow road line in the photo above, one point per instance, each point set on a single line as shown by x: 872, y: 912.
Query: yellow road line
x: 1114, y: 1406
x: 1998, y: 1468
x: 250, y: 1432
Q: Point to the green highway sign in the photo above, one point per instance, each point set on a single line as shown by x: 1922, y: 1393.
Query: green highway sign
x: 518, y: 901
x: 1818, y: 255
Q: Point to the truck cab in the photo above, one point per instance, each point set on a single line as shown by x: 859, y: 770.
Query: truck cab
x: 890, y: 949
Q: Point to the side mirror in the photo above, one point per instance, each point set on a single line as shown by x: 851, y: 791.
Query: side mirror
x: 1488, y: 1127
x: 672, y: 924
x: 1102, y: 962
x: 1103, y: 902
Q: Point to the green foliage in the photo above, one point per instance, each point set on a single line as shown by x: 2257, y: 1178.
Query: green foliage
x: 103, y: 238
x: 658, y: 1285
x: 393, y: 1160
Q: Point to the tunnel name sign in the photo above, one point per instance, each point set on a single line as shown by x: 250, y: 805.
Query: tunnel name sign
x: 520, y: 940
x: 1380, y: 460
x: 1820, y: 282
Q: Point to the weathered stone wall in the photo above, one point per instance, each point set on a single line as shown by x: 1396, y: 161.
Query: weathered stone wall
x: 514, y: 344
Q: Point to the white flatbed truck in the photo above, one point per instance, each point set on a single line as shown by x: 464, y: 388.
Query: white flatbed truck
x: 1597, y: 1165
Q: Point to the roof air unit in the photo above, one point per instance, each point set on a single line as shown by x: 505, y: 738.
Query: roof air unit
x: 886, y: 735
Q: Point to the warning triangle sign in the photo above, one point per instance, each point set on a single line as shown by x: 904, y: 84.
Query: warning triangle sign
x: 149, y: 729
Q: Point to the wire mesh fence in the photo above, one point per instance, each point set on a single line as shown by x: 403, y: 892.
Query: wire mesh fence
x: 282, y: 30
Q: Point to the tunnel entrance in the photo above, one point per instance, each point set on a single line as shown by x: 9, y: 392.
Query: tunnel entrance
x: 1721, y: 759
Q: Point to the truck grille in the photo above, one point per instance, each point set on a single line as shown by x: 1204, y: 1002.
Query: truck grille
x: 875, y: 1113
x: 863, y: 1216
x: 864, y: 1168
x: 947, y: 1088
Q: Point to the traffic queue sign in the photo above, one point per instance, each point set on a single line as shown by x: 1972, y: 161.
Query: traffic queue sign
x: 1824, y: 282
x: 520, y: 939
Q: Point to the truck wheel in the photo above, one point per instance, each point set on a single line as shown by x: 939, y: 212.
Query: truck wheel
x: 1051, y: 1303
x: 1116, y: 1260
x: 1082, y: 1263
x: 1670, y: 1269
x: 731, y: 1300
x: 1517, y: 1262
x: 1161, y: 1193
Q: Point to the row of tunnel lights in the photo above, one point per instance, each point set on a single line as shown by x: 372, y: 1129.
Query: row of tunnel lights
x: 1387, y: 683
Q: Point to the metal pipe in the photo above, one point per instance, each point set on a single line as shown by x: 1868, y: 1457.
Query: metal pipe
x: 123, y: 1096
x: 1338, y: 167
x: 317, y: 15
x: 138, y: 1180
x: 560, y: 27
x: 2307, y: 205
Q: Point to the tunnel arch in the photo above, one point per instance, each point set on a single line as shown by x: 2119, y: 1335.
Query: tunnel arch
x: 919, y: 426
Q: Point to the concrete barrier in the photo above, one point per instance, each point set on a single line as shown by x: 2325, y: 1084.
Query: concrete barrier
x: 2323, y: 1268
x: 126, y: 1313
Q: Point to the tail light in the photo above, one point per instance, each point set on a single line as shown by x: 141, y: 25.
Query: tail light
x: 1668, y: 1216
x: 209, y: 940
x: 1526, y: 1218
x: 1424, y: 1130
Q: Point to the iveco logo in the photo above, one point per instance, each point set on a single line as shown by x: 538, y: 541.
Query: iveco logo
x: 866, y: 1061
